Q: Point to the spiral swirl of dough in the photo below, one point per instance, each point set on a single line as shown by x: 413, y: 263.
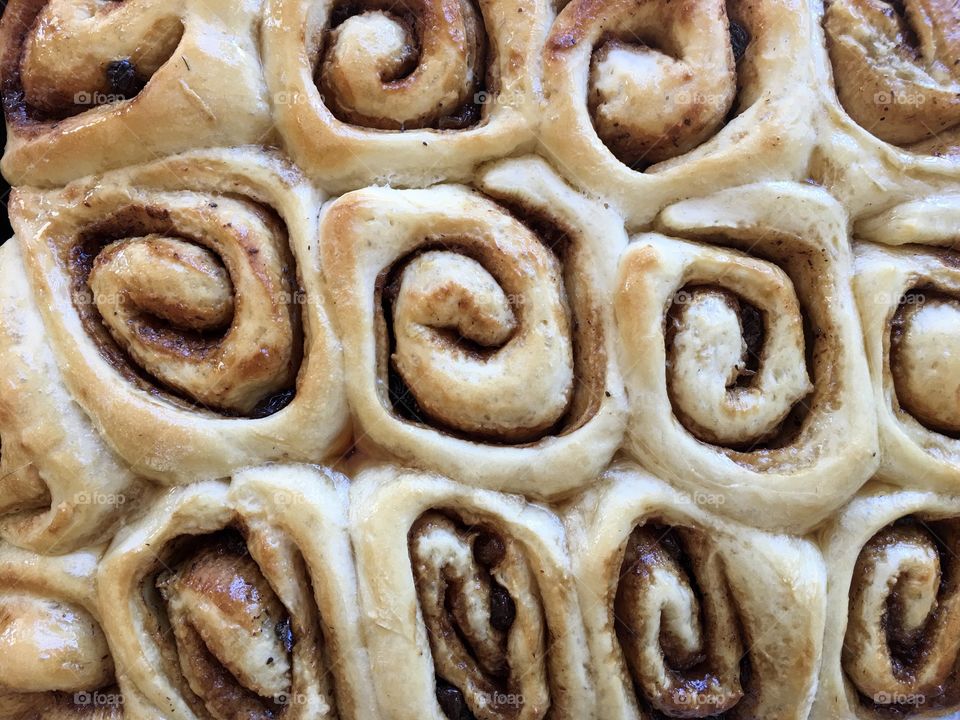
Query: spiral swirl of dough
x: 683, y: 647
x: 460, y: 342
x: 239, y: 601
x: 682, y: 621
x: 679, y: 52
x: 474, y: 586
x: 209, y: 313
x: 186, y: 318
x: 897, y: 69
x: 903, y: 632
x: 419, y: 64
x: 744, y: 357
x: 494, y: 630
x: 736, y: 371
x: 475, y: 333
x: 892, y: 642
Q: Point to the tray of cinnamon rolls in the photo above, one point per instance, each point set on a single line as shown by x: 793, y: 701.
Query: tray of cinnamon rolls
x: 480, y: 360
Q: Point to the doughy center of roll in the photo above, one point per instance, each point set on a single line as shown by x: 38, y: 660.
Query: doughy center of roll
x: 682, y: 645
x: 734, y: 371
x: 925, y: 362
x: 413, y: 65
x: 903, y: 632
x: 479, y: 357
x: 211, y: 317
x: 232, y: 632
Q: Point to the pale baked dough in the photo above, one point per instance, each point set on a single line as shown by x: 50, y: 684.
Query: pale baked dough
x: 663, y: 580
x: 264, y: 618
x: 61, y: 487
x: 66, y: 118
x: 892, y: 575
x: 54, y: 659
x: 782, y: 427
x: 175, y: 389
x: 435, y: 559
x: 532, y: 401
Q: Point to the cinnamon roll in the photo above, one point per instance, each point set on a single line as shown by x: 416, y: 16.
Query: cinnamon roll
x: 891, y: 128
x: 239, y: 601
x: 910, y: 305
x: 689, y: 615
x: 469, y: 607
x: 404, y: 93
x: 892, y: 647
x: 91, y: 85
x: 476, y: 327
x: 54, y: 659
x: 653, y: 101
x: 743, y: 359
x: 183, y: 301
x: 61, y: 487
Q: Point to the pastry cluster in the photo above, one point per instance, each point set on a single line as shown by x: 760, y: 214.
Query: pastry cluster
x: 480, y: 360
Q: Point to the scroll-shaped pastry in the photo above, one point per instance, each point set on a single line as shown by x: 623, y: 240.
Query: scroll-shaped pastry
x: 61, y: 487
x: 689, y: 615
x: 469, y: 607
x: 54, y: 659
x: 183, y: 301
x: 896, y: 69
x: 910, y: 308
x: 403, y: 93
x: 239, y: 601
x: 90, y: 85
x: 651, y: 101
x: 477, y: 328
x: 892, y: 645
x: 891, y: 75
x: 743, y: 360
